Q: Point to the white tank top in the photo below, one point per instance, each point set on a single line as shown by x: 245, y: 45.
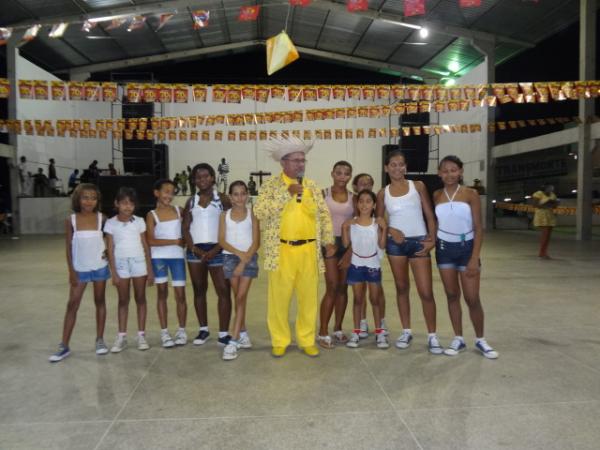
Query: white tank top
x: 205, y: 221
x: 168, y: 229
x: 455, y: 221
x: 87, y: 247
x: 365, y: 251
x: 340, y: 212
x: 405, y: 212
x: 238, y: 234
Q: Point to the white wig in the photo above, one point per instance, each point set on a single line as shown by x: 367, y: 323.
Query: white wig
x: 280, y: 147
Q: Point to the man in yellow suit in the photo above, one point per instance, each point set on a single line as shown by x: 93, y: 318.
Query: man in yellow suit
x: 295, y: 223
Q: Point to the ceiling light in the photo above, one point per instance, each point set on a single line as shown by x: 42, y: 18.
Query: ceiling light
x: 107, y: 18
x: 508, y: 199
x: 453, y: 66
x: 423, y: 32
x: 58, y: 30
x: 402, y: 24
x: 450, y: 82
x: 574, y: 191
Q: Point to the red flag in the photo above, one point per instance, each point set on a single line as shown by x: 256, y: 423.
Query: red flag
x: 200, y: 17
x: 300, y: 2
x: 469, y: 3
x: 163, y: 19
x: 357, y: 5
x: 414, y: 8
x: 248, y: 13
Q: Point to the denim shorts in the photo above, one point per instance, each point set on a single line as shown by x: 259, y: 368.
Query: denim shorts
x: 131, y: 267
x: 363, y: 274
x: 453, y: 255
x: 408, y: 247
x: 162, y: 266
x: 340, y: 249
x: 216, y: 261
x: 230, y: 262
x: 102, y: 274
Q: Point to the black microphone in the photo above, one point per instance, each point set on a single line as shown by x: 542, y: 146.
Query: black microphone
x: 299, y: 178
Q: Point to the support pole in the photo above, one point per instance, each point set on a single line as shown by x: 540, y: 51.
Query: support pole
x: 587, y: 71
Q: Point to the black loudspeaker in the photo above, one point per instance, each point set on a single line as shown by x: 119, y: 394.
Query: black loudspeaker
x: 143, y: 185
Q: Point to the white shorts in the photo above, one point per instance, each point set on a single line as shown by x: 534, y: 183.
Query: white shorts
x: 131, y: 267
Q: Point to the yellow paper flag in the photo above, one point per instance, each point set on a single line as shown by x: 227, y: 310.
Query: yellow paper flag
x: 280, y: 52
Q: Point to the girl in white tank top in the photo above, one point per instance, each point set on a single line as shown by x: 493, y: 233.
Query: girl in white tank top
x: 200, y: 232
x: 460, y: 237
x: 340, y: 203
x: 239, y: 236
x: 163, y: 230
x: 411, y: 236
x: 86, y: 262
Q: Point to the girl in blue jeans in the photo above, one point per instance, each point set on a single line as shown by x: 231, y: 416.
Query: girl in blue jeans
x: 458, y: 246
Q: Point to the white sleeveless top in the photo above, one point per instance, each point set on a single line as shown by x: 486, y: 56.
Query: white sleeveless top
x: 87, y: 247
x: 205, y: 221
x: 168, y: 229
x: 405, y: 212
x: 455, y: 221
x: 340, y: 212
x: 238, y: 234
x: 365, y: 251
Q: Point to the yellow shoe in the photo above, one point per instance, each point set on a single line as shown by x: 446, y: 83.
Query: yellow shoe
x: 278, y: 352
x: 311, y: 351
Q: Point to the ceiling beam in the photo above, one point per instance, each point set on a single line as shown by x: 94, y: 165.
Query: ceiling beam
x: 153, y: 59
x: 186, y: 54
x: 369, y: 63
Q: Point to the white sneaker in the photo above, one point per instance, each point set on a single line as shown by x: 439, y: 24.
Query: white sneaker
x: 485, y: 349
x: 382, y: 341
x: 167, y: 340
x: 455, y: 347
x: 180, y: 337
x: 101, y: 348
x: 244, y: 341
x: 119, y: 345
x: 141, y: 342
x: 404, y: 340
x: 230, y: 351
x: 364, y: 329
x: 353, y: 341
x: 434, y: 346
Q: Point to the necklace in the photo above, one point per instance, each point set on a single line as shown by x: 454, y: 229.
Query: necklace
x: 451, y: 199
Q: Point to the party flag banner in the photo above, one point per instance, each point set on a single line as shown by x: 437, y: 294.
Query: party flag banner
x: 280, y: 52
x: 414, y: 8
x: 357, y: 5
x: 200, y: 18
x: 248, y: 13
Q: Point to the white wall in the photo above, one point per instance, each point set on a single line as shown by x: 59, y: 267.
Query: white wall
x: 469, y: 147
x: 248, y: 156
x: 69, y: 153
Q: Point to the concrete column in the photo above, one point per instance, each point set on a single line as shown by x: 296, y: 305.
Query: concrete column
x: 587, y: 71
x: 488, y: 50
x: 11, y: 74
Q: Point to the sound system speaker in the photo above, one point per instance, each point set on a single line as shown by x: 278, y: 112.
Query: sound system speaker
x: 143, y: 184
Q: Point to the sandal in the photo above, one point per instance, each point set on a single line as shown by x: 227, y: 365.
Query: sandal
x: 325, y: 342
x: 340, y: 337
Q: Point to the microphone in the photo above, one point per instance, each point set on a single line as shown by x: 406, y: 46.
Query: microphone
x: 299, y: 178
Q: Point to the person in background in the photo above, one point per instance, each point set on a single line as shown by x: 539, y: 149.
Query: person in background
x: 183, y: 182
x: 545, y: 201
x: 40, y: 183
x: 93, y: 171
x: 52, y: 178
x: 22, y: 167
x: 191, y: 181
x: 478, y: 186
x: 252, y: 186
x: 111, y: 169
x: 73, y: 181
x: 177, y: 182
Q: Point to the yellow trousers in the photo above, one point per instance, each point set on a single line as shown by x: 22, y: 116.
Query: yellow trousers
x: 297, y: 272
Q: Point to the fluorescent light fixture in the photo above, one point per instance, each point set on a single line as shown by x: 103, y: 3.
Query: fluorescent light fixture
x: 107, y: 18
x: 403, y: 24
x: 493, y: 201
x: 423, y: 32
x: 453, y: 66
x: 574, y: 191
x: 58, y: 30
x: 527, y: 197
x: 508, y: 199
x: 450, y: 82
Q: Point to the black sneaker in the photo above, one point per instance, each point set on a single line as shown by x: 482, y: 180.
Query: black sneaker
x: 224, y: 340
x: 202, y: 337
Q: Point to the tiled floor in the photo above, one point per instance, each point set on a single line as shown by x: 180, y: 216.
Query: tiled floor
x: 543, y: 393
